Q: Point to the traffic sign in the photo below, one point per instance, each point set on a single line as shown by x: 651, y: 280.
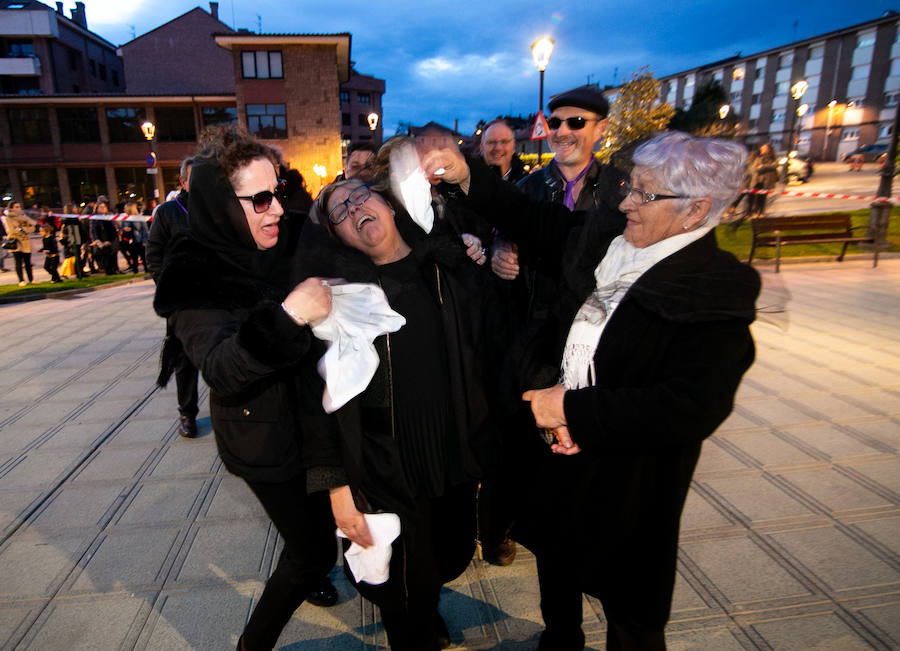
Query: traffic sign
x: 540, y: 130
x: 151, y: 160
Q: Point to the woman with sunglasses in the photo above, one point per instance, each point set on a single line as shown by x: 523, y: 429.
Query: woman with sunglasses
x: 224, y: 290
x: 415, y: 440
x: 649, y: 339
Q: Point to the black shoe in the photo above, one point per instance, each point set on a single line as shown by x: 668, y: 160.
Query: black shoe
x: 502, y: 554
x: 187, y: 426
x: 324, y: 594
x: 443, y: 635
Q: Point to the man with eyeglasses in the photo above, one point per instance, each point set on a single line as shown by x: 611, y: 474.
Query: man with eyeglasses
x: 498, y: 149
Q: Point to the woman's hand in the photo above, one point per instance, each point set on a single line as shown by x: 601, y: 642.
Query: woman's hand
x: 473, y: 248
x: 505, y: 260
x: 447, y: 165
x: 311, y: 300
x: 547, y: 406
x: 564, y: 443
x: 348, y: 519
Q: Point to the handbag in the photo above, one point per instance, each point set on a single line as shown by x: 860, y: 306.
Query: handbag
x: 10, y: 244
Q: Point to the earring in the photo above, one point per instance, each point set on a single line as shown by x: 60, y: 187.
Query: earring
x: 686, y: 226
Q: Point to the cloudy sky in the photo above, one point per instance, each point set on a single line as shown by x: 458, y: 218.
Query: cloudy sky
x: 463, y: 60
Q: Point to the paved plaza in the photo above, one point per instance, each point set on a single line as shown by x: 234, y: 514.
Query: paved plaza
x: 115, y: 533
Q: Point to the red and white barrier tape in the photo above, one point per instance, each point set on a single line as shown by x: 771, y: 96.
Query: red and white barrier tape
x: 111, y: 217
x: 824, y: 195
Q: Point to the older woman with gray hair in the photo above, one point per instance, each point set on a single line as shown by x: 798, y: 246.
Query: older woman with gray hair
x: 650, y: 342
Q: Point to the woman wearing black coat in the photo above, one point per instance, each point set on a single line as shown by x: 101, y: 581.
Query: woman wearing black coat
x: 223, y: 289
x: 416, y: 439
x: 650, y: 341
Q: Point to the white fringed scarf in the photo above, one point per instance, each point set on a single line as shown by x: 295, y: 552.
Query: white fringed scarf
x: 622, y: 265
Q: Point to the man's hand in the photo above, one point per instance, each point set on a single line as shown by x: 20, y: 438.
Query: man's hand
x: 447, y: 165
x: 473, y: 248
x: 547, y: 406
x: 348, y: 519
x: 505, y: 260
x: 564, y: 443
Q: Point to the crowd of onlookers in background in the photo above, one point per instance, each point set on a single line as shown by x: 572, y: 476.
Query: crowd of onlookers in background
x: 73, y: 246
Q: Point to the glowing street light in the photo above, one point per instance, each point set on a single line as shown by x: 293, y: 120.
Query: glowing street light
x: 798, y: 89
x: 723, y: 111
x: 541, y: 50
x: 148, y: 129
x: 373, y: 121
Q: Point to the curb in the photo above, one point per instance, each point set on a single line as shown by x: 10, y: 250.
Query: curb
x: 882, y: 255
x: 68, y: 293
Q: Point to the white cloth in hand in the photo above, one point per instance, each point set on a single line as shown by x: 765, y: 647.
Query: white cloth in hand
x: 372, y: 564
x: 409, y: 184
x: 359, y: 313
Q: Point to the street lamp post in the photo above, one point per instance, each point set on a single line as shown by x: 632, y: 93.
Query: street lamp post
x: 828, y: 120
x: 149, y: 131
x: 797, y: 91
x: 541, y: 50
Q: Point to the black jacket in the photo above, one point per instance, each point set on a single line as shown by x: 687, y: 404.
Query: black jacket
x: 171, y: 218
x: 668, y: 365
x: 362, y: 451
x: 251, y: 354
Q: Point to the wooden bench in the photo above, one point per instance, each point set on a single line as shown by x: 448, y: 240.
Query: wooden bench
x: 818, y: 229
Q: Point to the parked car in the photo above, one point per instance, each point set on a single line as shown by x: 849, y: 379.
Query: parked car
x: 870, y: 153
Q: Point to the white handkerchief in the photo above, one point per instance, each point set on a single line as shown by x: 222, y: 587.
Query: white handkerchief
x: 371, y: 564
x: 359, y: 313
x: 408, y: 182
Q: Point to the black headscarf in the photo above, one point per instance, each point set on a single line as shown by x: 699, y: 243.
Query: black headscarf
x: 217, y: 222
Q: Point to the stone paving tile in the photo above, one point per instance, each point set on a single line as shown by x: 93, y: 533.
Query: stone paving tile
x: 238, y: 550
x: 832, y: 442
x: 187, y: 457
x: 885, y: 620
x: 111, y: 463
x: 757, y: 498
x: 231, y: 498
x: 13, y: 438
x: 882, y: 429
x: 104, y: 410
x: 775, y: 411
x: 885, y: 532
x: 834, y: 490
x: 78, y: 505
x: 886, y: 474
x: 73, y: 436
x: 837, y: 560
x: 142, y: 431
x: 37, y: 469
x: 162, y: 502
x: 714, y: 457
x: 823, y: 632
x: 79, y: 625
x: 13, y: 503
x: 33, y: 565
x: 14, y: 621
x: 206, y: 618
x: 49, y: 413
x: 700, y: 514
x: 766, y: 448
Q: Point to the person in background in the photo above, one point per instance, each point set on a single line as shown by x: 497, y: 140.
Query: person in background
x: 360, y: 157
x: 50, y: 249
x: 19, y: 227
x: 763, y: 176
x: 498, y: 149
x: 171, y: 221
x: 104, y: 239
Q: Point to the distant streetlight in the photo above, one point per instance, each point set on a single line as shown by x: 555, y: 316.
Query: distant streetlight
x: 541, y: 50
x: 802, y: 110
x: 723, y: 111
x: 828, y: 119
x: 797, y: 91
x: 148, y: 129
x: 373, y: 121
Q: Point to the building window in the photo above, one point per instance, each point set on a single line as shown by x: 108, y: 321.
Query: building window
x: 92, y: 65
x: 364, y: 98
x: 78, y: 124
x: 886, y: 130
x: 345, y: 119
x: 781, y: 88
x: 866, y: 39
x: 785, y: 60
x: 689, y: 81
x: 753, y: 123
x: 219, y: 115
x: 131, y: 183
x: 760, y: 73
x: 860, y: 72
x: 890, y: 99
x: 85, y: 183
x: 125, y: 124
x: 850, y: 134
x: 29, y: 126
x: 736, y: 96
x: 40, y: 186
x: 102, y: 72
x: 175, y: 124
x: 361, y: 120
x: 267, y: 121
x: 778, y: 116
x: 344, y: 97
x: 261, y: 64
x: 816, y: 52
x: 737, y: 74
x: 10, y: 85
x: 856, y: 102
x: 755, y: 98
x: 895, y: 67
x: 19, y: 49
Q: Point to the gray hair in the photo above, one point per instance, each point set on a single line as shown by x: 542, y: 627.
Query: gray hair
x: 696, y: 167
x: 185, y: 164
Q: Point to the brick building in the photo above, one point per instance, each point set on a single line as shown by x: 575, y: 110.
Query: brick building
x: 44, y: 52
x: 188, y: 73
x: 853, y: 84
x: 360, y: 96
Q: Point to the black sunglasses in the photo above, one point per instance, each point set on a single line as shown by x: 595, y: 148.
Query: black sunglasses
x: 575, y: 123
x: 262, y: 201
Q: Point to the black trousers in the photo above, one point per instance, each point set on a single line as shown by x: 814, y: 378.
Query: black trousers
x: 186, y: 385
x: 561, y: 609
x: 51, y: 264
x: 307, y: 527
x: 138, y: 255
x: 431, y: 551
x: 23, y: 261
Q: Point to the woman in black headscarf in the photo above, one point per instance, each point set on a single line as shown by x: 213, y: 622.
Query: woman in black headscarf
x: 224, y: 291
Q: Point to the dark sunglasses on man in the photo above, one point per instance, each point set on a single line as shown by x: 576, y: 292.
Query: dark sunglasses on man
x: 262, y: 201
x: 575, y: 123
